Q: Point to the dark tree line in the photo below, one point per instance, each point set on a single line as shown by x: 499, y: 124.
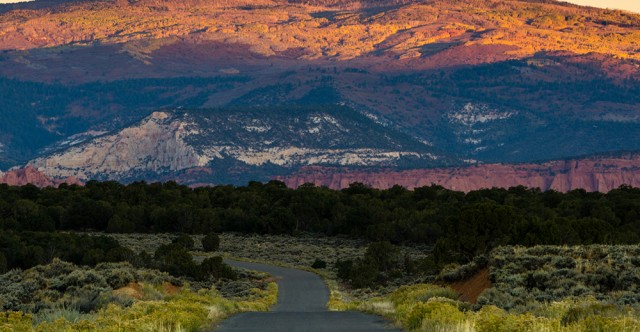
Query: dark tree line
x: 459, y: 226
x: 27, y: 249
x: 23, y: 250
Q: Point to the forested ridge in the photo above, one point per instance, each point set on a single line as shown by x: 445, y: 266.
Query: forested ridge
x: 460, y: 226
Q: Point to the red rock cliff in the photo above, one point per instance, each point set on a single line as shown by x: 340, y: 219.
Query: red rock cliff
x: 22, y: 176
x: 593, y: 174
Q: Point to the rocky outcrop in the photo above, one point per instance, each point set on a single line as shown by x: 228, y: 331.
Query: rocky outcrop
x: 155, y: 145
x: 30, y: 175
x: 594, y: 174
x: 169, y: 142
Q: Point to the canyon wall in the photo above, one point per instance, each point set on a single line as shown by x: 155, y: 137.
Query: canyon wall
x: 593, y: 174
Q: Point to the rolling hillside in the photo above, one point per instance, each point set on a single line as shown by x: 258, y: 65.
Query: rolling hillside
x: 471, y: 81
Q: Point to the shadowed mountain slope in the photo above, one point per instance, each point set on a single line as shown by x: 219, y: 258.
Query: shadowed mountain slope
x: 470, y: 81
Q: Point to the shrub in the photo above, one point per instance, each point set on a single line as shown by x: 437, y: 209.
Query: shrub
x: 382, y: 255
x: 184, y: 241
x: 176, y: 260
x: 83, y: 277
x: 15, y: 321
x: 211, y: 242
x: 553, y: 273
x: 381, y: 262
x: 67, y: 314
x: 585, y: 310
x: 86, y: 299
x: 496, y: 297
x: 56, y: 268
x: 118, y: 278
x: 319, y: 264
x: 454, y: 272
x: 490, y: 319
x: 344, y: 269
x: 364, y: 275
x: 422, y: 293
x: 215, y: 267
x: 440, y: 316
x: 3, y: 263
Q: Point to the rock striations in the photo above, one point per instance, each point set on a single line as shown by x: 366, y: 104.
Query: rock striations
x: 592, y: 174
x: 167, y: 143
x: 30, y: 175
x: 328, y: 147
x: 154, y: 145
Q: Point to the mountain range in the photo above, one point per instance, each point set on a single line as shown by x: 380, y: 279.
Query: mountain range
x: 388, y: 90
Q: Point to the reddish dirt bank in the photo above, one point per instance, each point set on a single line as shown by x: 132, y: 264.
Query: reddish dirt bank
x: 22, y: 176
x: 471, y: 288
x: 592, y: 174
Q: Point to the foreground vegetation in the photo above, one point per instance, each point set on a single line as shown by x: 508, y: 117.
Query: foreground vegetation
x: 118, y: 297
x: 321, y: 254
x: 460, y: 226
x: 116, y: 288
x: 433, y: 308
x: 28, y: 249
x: 525, y: 277
x: 542, y: 288
x: 377, y: 249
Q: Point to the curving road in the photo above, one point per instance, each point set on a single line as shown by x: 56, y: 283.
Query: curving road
x: 302, y: 299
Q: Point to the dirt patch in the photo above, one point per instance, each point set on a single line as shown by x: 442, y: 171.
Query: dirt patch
x: 133, y: 290
x: 170, y: 289
x: 471, y: 288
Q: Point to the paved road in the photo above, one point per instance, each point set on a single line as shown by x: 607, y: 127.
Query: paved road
x: 302, y: 299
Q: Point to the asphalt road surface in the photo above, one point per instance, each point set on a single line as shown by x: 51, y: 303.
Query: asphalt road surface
x: 302, y: 300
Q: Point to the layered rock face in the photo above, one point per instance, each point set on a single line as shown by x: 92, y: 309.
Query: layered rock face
x: 30, y: 175
x: 155, y: 145
x: 167, y: 143
x: 595, y: 174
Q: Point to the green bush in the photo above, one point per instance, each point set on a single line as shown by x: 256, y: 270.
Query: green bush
x: 184, y: 241
x: 3, y: 263
x: 525, y: 277
x: 118, y: 278
x: 215, y: 267
x: 588, y: 309
x: 79, y: 278
x: 455, y: 272
x: 381, y: 262
x: 211, y: 242
x: 436, y: 315
x: 419, y: 308
x: 319, y: 264
x: 176, y: 260
x: 61, y: 285
x: 67, y: 314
